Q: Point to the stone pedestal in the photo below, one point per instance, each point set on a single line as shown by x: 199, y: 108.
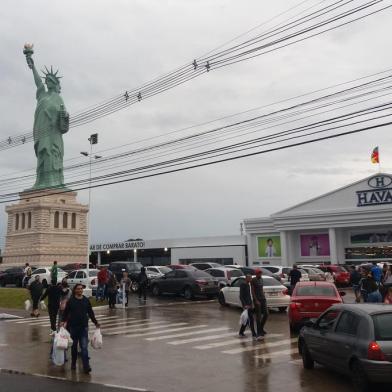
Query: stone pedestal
x: 45, y: 226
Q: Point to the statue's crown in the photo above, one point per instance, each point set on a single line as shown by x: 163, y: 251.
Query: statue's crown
x: 51, y: 75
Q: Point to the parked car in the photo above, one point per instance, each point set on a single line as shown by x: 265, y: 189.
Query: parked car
x: 181, y: 266
x: 340, y: 274
x: 223, y: 276
x: 187, y: 282
x: 204, y: 266
x: 118, y: 267
x: 75, y: 266
x: 12, y: 275
x: 355, y: 340
x: 275, y: 293
x: 310, y: 299
x: 80, y: 276
x: 156, y: 271
x: 252, y: 271
x: 314, y: 273
x: 283, y: 272
x: 44, y: 274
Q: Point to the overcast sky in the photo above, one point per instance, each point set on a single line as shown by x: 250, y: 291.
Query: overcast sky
x: 105, y: 47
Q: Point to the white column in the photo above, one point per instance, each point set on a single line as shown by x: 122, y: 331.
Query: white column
x: 135, y: 255
x: 284, y: 248
x: 332, y: 246
x: 99, y: 258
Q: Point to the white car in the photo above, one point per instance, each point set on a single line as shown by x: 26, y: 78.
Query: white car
x: 157, y: 271
x: 224, y: 275
x: 275, y: 293
x: 80, y: 276
x: 44, y: 275
x: 283, y: 272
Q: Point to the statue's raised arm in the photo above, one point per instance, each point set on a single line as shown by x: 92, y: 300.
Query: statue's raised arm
x: 28, y: 52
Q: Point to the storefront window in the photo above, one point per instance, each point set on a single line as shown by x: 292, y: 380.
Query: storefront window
x: 369, y: 252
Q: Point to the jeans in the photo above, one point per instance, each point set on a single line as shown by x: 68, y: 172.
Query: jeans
x: 100, y: 292
x: 261, y: 313
x: 375, y: 296
x: 250, y: 323
x: 79, y: 336
x: 142, y: 291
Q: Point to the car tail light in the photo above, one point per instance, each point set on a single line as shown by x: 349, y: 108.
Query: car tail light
x: 375, y: 353
x: 201, y: 282
x: 295, y: 305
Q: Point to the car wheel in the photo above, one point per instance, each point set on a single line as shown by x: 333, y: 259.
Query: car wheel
x: 188, y: 294
x: 155, y: 290
x: 282, y: 309
x: 134, y: 286
x: 307, y: 359
x: 221, y: 299
x: 358, y: 378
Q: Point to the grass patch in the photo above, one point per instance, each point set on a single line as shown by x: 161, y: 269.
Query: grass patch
x: 14, y: 298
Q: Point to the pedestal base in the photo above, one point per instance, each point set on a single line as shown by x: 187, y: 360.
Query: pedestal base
x: 44, y: 226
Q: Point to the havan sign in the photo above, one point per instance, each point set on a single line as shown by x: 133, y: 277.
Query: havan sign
x: 380, y: 194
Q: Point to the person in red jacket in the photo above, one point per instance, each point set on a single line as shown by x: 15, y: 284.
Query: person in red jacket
x: 103, y: 277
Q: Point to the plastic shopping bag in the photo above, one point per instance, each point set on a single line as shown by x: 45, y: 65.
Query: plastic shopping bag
x: 58, y: 354
x: 42, y: 305
x: 61, y: 340
x: 96, y: 339
x: 27, y: 305
x: 244, y: 318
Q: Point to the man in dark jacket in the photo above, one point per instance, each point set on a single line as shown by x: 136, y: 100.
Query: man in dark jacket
x: 143, y: 282
x: 53, y: 292
x: 76, y: 314
x: 260, y: 303
x: 294, y: 277
x: 246, y: 301
x: 36, y: 288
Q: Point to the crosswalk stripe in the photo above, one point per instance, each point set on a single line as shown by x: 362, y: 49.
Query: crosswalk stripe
x: 232, y: 341
x: 278, y: 353
x: 46, y: 319
x: 164, y: 331
x: 124, y: 331
x: 144, y: 325
x: 258, y: 346
x: 200, y: 338
x: 101, y: 321
x: 178, y: 335
x: 46, y: 323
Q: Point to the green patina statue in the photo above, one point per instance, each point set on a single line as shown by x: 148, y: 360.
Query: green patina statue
x: 50, y: 122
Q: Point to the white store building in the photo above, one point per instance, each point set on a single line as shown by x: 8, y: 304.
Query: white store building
x: 352, y: 224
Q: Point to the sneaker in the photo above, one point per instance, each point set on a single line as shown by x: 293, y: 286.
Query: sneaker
x: 254, y: 337
x: 241, y: 335
x: 87, y: 370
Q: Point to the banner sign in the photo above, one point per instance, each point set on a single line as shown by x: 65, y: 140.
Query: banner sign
x: 117, y: 246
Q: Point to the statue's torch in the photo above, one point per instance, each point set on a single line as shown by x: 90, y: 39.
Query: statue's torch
x: 28, y: 52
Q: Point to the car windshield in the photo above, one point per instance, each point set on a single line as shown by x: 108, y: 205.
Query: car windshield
x: 134, y: 266
x: 60, y: 270
x: 270, y: 282
x: 92, y: 273
x: 319, y: 291
x: 164, y: 270
x: 317, y: 271
x: 303, y: 272
x: 383, y: 326
x: 235, y: 273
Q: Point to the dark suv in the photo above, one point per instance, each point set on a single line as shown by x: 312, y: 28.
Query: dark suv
x: 133, y: 269
x: 12, y: 275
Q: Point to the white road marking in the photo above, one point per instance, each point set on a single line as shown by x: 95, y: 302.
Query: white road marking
x: 233, y: 341
x: 143, y: 325
x: 100, y: 320
x: 164, y: 331
x: 127, y: 330
x: 200, y: 338
x: 45, y: 319
x: 178, y: 335
x: 278, y: 353
x: 126, y: 388
x: 260, y: 345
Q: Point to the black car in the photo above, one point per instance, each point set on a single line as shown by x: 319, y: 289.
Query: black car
x: 353, y: 339
x: 133, y: 268
x: 12, y: 275
x: 189, y: 283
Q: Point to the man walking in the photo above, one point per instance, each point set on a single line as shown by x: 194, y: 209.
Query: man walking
x: 355, y: 278
x: 103, y: 277
x: 260, y: 303
x: 143, y: 281
x: 53, y: 292
x: 27, y: 274
x: 246, y: 301
x: 76, y: 315
x: 126, y: 286
x: 54, y: 272
x: 294, y: 277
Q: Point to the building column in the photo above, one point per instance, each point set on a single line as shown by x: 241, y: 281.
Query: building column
x: 284, y: 248
x: 332, y: 246
x: 135, y: 255
x: 99, y: 258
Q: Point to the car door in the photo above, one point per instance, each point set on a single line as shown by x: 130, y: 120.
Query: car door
x: 71, y: 279
x: 318, y: 337
x: 166, y: 282
x: 232, y: 292
x: 181, y: 279
x: 80, y: 277
x: 342, y: 341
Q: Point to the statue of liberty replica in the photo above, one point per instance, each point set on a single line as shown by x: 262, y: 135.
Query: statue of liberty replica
x: 47, y: 223
x: 51, y: 121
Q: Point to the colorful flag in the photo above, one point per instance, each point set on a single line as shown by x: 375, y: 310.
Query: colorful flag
x: 375, y: 157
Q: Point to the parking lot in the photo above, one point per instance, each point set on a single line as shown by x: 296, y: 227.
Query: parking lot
x: 169, y: 344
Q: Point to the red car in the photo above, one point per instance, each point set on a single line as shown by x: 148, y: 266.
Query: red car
x: 339, y: 273
x: 310, y: 299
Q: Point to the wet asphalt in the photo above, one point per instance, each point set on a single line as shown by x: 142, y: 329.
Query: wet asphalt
x: 171, y: 345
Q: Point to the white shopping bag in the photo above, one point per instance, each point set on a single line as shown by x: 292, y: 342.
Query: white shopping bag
x: 244, y: 318
x: 42, y: 305
x: 96, y: 339
x: 61, y: 341
x: 58, y: 354
x: 27, y: 305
